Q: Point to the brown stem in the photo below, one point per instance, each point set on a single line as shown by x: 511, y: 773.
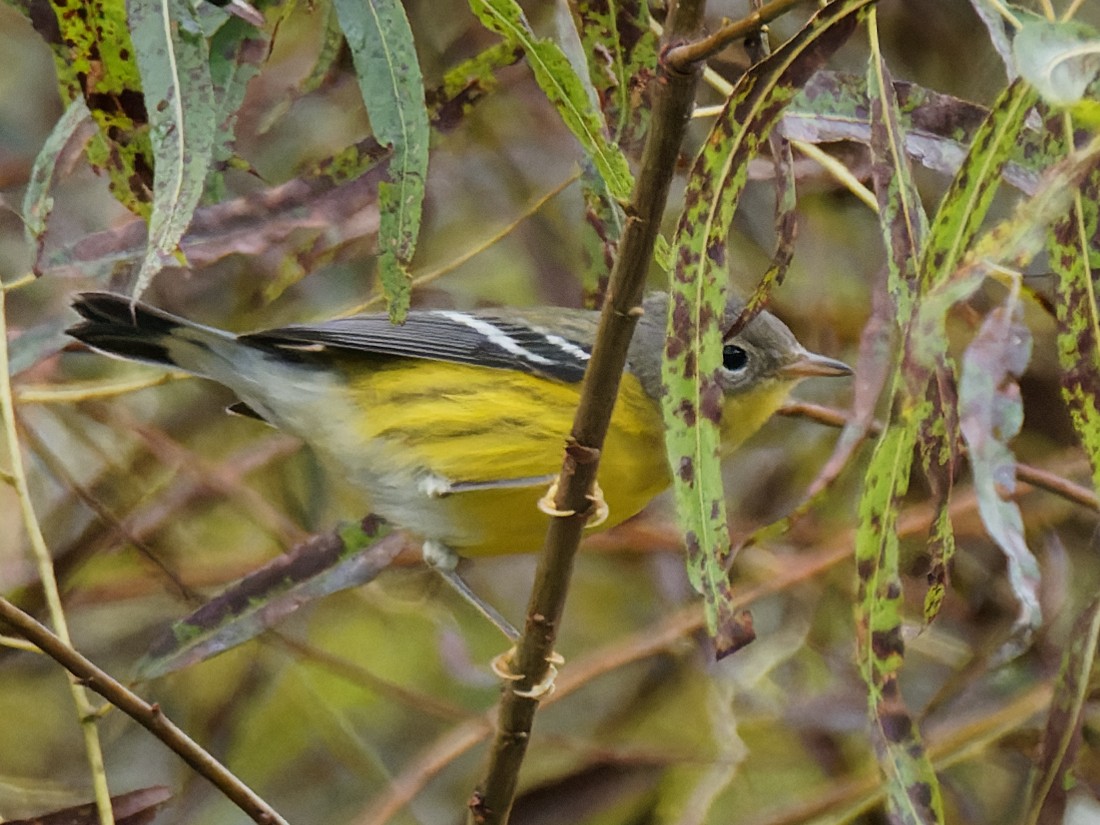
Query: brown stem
x: 145, y: 714
x: 674, y: 98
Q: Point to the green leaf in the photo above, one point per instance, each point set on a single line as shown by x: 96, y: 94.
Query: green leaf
x: 348, y: 557
x: 563, y: 88
x: 966, y: 203
x: 902, y: 219
x: 1060, y: 59
x: 381, y: 43
x: 603, y: 226
x: 171, y: 51
x: 1078, y: 317
x: 693, y: 403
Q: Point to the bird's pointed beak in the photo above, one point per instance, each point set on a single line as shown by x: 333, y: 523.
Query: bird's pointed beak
x: 811, y: 365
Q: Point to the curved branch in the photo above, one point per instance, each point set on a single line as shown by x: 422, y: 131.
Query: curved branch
x: 146, y: 714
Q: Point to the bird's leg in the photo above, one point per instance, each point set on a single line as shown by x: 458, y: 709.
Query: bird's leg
x: 444, y: 561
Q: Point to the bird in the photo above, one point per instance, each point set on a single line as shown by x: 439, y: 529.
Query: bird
x: 453, y: 423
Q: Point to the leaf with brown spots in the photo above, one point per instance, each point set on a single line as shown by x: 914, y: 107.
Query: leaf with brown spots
x: 1078, y: 317
x: 95, y: 60
x: 621, y: 52
x: 693, y: 354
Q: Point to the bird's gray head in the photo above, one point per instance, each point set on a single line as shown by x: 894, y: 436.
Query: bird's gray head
x: 764, y: 351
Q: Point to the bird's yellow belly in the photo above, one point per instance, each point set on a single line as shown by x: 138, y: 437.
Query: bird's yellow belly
x: 465, y: 458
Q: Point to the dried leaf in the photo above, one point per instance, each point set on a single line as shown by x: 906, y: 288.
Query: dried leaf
x: 990, y: 416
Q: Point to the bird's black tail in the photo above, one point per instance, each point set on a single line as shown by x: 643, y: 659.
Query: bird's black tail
x: 116, y: 325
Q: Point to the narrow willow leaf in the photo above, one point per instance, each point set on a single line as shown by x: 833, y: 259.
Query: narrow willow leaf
x: 94, y: 58
x: 171, y: 51
x: 381, y: 44
x: 1060, y: 59
x: 991, y: 415
x: 562, y: 88
x: 621, y: 53
x: 345, y: 558
x: 37, y: 202
x: 693, y: 404
x: 1078, y: 317
x: 966, y: 203
x: 904, y: 228
x: 1062, y: 736
x: 912, y: 788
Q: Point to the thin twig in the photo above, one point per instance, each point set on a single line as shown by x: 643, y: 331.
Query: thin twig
x: 675, y: 89
x: 93, y: 748
x: 144, y: 713
x: 1027, y: 473
x: 691, y: 54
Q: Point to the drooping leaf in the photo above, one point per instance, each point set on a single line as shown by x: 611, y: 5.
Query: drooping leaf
x: 991, y: 415
x: 37, y: 202
x: 997, y: 28
x: 1061, y: 59
x: 171, y: 52
x: 1078, y: 316
x: 902, y: 218
x: 603, y: 226
x: 693, y: 403
x: 237, y: 51
x: 381, y: 44
x: 345, y: 558
x: 562, y: 87
x: 911, y: 784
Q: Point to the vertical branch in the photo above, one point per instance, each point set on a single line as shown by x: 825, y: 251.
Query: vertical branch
x: 676, y: 84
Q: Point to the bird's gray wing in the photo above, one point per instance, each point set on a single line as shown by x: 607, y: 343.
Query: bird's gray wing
x: 481, y: 339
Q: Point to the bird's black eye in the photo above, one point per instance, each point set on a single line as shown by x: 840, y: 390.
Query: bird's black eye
x: 734, y: 358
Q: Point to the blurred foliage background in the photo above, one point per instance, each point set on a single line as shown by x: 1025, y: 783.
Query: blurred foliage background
x: 370, y: 706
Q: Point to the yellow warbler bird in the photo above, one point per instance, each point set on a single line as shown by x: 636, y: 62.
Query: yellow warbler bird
x: 453, y: 423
